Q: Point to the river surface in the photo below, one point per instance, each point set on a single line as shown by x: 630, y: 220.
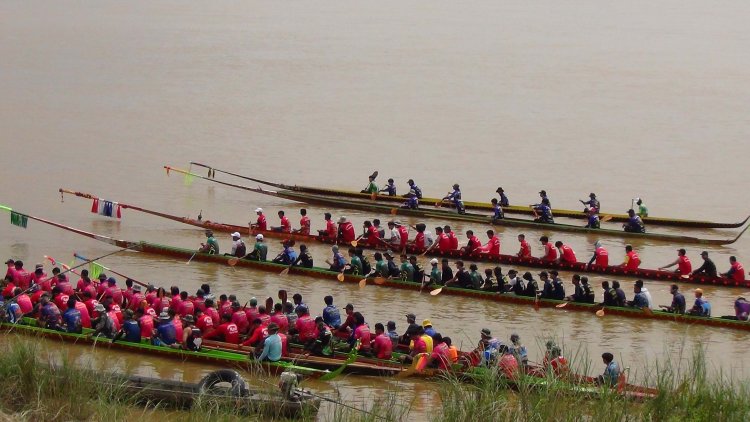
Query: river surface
x: 635, y: 99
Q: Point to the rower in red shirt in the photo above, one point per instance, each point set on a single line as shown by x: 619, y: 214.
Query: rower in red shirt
x: 203, y: 321
x: 632, y: 260
x: 21, y: 277
x: 601, y: 256
x: 306, y: 328
x: 420, y: 242
x: 372, y: 235
x: 550, y: 253
x: 736, y: 271
x: 346, y: 231
x: 331, y: 231
x: 286, y: 225
x: 23, y: 300
x: 187, y: 307
x: 566, y: 253
x: 403, y: 231
x: 684, y: 267
x: 492, y: 247
x: 239, y: 318
x: 212, y: 312
x: 84, y: 311
x: 382, y: 346
x: 226, y: 332
x: 279, y: 318
x: 525, y: 251
x: 473, y: 243
x: 440, y: 354
x: 146, y: 323
x: 452, y: 237
x: 304, y: 223
x: 260, y: 223
x: 443, y: 242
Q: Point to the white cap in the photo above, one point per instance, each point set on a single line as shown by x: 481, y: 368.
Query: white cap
x: 236, y: 234
x: 259, y: 237
x: 342, y: 220
x: 259, y: 210
x: 433, y: 261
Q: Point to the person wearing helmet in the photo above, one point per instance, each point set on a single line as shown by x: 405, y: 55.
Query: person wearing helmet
x: 455, y: 197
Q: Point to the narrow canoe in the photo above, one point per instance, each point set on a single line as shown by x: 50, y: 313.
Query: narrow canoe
x: 580, y: 267
x: 156, y: 249
x: 482, y: 206
x: 476, y: 218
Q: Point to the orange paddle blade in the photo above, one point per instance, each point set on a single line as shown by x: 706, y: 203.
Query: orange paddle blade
x: 233, y: 261
x: 362, y: 283
x: 436, y: 291
x: 646, y: 310
x: 562, y: 305
x: 354, y: 243
x: 379, y: 280
x: 340, y: 277
x: 285, y: 271
x: 373, y: 196
x: 605, y: 218
x: 394, y: 211
x: 600, y: 312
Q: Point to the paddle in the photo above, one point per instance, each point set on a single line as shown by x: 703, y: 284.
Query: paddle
x: 436, y: 291
x: 600, y: 312
x: 191, y: 258
x: 340, y: 277
x: 562, y: 305
x: 379, y: 280
x: 394, y: 211
x: 536, y: 303
x: 606, y: 218
x: 363, y: 283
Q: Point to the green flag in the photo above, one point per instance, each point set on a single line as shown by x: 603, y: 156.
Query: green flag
x: 94, y: 270
x: 17, y: 219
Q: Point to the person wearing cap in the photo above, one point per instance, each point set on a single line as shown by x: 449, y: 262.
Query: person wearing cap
x: 11, y: 268
x: 611, y: 372
x: 736, y: 270
x: 427, y: 325
x: 331, y: 314
x: 525, y: 250
x: 487, y: 348
x: 642, y: 210
x: 211, y: 246
x: 708, y: 268
x: 550, y: 252
x: 331, y: 231
x: 592, y: 202
x: 260, y: 223
x: 390, y: 188
x: 260, y: 249
x: 436, y: 276
x: 371, y: 188
x: 337, y: 262
x: 191, y: 335
x: 543, y: 211
x: 304, y: 223
x: 678, y: 301
x: 567, y: 255
x: 592, y: 219
x: 411, y: 326
x: 497, y: 211
x: 382, y: 346
x: 544, y: 197
x: 601, y: 256
x: 632, y: 260
x: 39, y: 275
x: 684, y: 267
x: 286, y: 225
x: 634, y: 224
x: 455, y: 197
x: 346, y: 230
x: 416, y: 189
x: 412, y: 202
x: 103, y: 324
x: 349, y: 323
x: 504, y: 201
x: 130, y: 329
x: 701, y: 307
x: 238, y: 246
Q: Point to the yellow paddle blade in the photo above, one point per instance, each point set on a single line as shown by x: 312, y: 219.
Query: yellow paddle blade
x: 600, y: 312
x: 373, y: 196
x: 285, y: 271
x: 394, y: 211
x: 233, y: 261
x: 354, y: 243
x: 379, y: 280
x: 605, y: 218
x: 362, y: 283
x: 562, y: 305
x: 340, y: 277
x: 436, y: 291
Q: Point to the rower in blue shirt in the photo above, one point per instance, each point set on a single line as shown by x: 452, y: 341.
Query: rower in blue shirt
x: 272, y: 346
x: 504, y: 201
x: 390, y: 188
x: 592, y: 202
x: 634, y: 223
x: 543, y: 212
x: 130, y: 329
x: 413, y: 186
x: 611, y: 372
x: 72, y: 317
x: 455, y: 197
x: 331, y: 314
x: 497, y: 210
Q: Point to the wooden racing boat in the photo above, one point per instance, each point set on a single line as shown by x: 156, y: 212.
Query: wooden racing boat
x: 182, y: 253
x: 27, y: 326
x: 476, y: 218
x: 479, y: 206
x: 580, y: 267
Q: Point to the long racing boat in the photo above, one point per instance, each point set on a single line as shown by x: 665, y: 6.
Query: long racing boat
x: 480, y: 206
x: 371, y: 206
x: 182, y: 253
x: 455, y: 254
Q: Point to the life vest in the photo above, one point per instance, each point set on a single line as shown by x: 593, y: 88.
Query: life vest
x: 347, y: 232
x: 419, y: 240
x: 261, y: 222
x: 444, y: 243
x: 602, y: 257
x: 404, y: 232
x: 568, y: 255
x: 453, y: 241
x: 684, y: 266
x: 739, y: 272
x: 304, y: 224
x: 550, y: 253
x: 286, y: 226
x: 633, y: 260
x: 525, y: 251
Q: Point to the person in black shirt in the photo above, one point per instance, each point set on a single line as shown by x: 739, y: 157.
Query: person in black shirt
x: 447, y: 271
x: 708, y: 268
x: 304, y: 259
x: 678, y: 301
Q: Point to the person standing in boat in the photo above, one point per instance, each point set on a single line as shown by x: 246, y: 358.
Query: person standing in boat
x: 504, y: 201
x: 371, y: 188
x: 708, y: 268
x: 736, y: 271
x: 286, y: 225
x: 592, y: 202
x: 390, y: 188
x: 211, y: 246
x: 413, y: 187
x: 260, y: 223
x: 634, y: 223
x: 455, y: 197
x: 304, y: 223
x: 684, y: 267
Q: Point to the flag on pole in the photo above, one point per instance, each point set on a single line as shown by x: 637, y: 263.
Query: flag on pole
x: 18, y: 219
x: 94, y: 270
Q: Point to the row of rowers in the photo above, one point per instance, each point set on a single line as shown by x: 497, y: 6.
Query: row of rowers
x: 397, y: 239
x: 185, y: 321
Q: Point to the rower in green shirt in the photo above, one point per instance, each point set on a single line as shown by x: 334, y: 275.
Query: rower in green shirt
x: 211, y: 246
x: 642, y: 210
x: 260, y: 250
x: 371, y: 188
x: 407, y: 270
x: 436, y: 276
x: 355, y: 264
x: 476, y: 278
x: 381, y: 266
